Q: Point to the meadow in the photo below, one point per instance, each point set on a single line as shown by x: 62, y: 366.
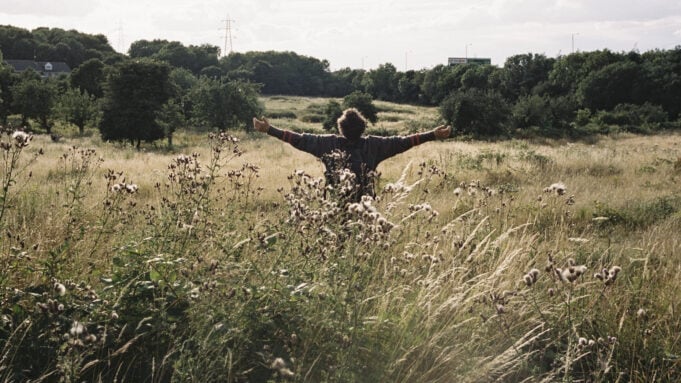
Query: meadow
x: 227, y: 259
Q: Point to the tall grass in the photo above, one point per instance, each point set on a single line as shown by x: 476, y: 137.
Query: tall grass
x: 231, y: 260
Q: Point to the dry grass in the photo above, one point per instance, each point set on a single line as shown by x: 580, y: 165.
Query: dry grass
x: 271, y: 281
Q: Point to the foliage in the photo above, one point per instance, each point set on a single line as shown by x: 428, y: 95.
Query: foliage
x: 617, y: 83
x: 522, y: 73
x: 219, y: 104
x: 77, y: 108
x: 476, y: 112
x: 381, y: 82
x: 192, y: 58
x: 332, y: 113
x: 54, y: 44
x: 34, y: 98
x: 362, y: 102
x: 170, y: 118
x: 89, y: 77
x: 6, y: 81
x: 279, y: 72
x: 135, y: 92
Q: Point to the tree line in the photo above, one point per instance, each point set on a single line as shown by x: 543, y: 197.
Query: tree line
x: 162, y: 85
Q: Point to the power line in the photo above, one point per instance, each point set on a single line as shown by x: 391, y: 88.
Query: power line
x: 120, y: 36
x: 228, y: 35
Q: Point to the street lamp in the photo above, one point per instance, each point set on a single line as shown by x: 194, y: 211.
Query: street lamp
x: 406, y: 54
x: 573, y: 41
x: 467, y: 51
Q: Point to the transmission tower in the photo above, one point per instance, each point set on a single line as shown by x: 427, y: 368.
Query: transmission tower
x: 119, y: 36
x: 228, y: 35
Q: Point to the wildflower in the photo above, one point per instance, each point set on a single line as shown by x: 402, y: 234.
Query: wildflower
x: 551, y: 291
x: 131, y: 188
x: 77, y: 329
x: 21, y: 139
x: 608, y: 276
x: 531, y: 277
x: 557, y: 188
x: 280, y: 366
x: 458, y: 192
x: 277, y: 364
x: 59, y: 289
x: 571, y: 273
x: 581, y: 342
x: 641, y: 313
x: 116, y: 188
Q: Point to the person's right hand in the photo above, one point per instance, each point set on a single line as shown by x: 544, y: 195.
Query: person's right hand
x: 261, y: 125
x: 442, y: 132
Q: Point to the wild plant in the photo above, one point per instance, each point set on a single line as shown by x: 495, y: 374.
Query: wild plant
x: 12, y: 145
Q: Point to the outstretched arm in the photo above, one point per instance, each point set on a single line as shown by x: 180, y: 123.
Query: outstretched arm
x: 442, y: 132
x: 391, y: 146
x: 311, y: 143
x: 264, y: 126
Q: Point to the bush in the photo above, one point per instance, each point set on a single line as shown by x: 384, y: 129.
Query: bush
x: 476, y: 112
x: 362, y: 102
x: 332, y: 113
x: 281, y: 114
x: 644, y: 118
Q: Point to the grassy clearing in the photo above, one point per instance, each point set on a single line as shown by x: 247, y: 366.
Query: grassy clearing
x: 224, y: 263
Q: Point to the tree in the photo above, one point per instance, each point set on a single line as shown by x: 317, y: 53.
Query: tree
x: 362, y: 102
x: 476, y: 112
x: 332, y: 113
x: 663, y: 68
x: 89, y: 77
x: 6, y: 80
x: 381, y: 83
x: 521, y: 73
x: 409, y: 87
x: 34, y: 98
x: 224, y: 104
x: 77, y: 108
x: 479, y: 77
x: 145, y: 48
x: 184, y: 81
x: 134, y: 93
x: 622, y: 82
x: 170, y: 118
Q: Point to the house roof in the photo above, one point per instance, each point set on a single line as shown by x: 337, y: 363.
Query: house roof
x: 39, y: 66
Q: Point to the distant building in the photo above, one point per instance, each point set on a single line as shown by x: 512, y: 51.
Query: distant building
x: 467, y: 60
x: 44, y: 68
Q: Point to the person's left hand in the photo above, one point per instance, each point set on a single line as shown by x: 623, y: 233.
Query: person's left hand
x: 261, y: 125
x: 442, y: 132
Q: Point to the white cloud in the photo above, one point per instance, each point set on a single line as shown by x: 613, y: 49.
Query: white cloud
x: 71, y: 8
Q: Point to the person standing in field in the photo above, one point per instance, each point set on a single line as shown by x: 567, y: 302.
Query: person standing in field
x: 362, y: 154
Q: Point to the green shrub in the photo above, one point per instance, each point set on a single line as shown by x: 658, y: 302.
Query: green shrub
x: 476, y: 112
x: 281, y: 114
x: 645, y: 118
x: 638, y: 215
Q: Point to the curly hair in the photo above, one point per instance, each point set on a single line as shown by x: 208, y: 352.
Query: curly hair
x: 352, y: 124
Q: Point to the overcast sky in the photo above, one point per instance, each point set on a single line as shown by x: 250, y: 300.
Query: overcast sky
x: 411, y: 34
